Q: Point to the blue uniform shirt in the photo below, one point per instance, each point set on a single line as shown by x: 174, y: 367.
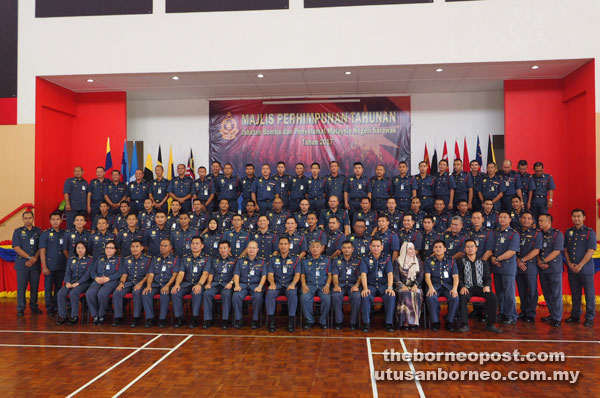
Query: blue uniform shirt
x: 146, y: 220
x: 492, y: 186
x: 266, y: 243
x: 553, y: 240
x: 376, y: 269
x: 441, y: 221
x: 182, y: 240
x: 135, y: 268
x: 237, y: 240
x: 316, y: 234
x: 284, y: 269
x: 283, y: 185
x: 223, y: 220
x: 423, y: 185
x: 427, y: 241
x: 316, y: 188
x: 203, y: 189
x: 72, y: 237
x: 53, y: 241
x: 124, y: 239
x: 531, y: 239
x: 484, y: 240
x: 277, y: 220
x: 543, y: 184
x: 228, y: 188
x: 441, y: 271
x: 104, y: 266
x: 462, y: 182
x: 334, y: 242
x: 194, y: 267
x: 357, y: 187
x: 109, y: 217
x: 152, y: 238
x: 395, y: 219
x: 27, y: 240
x: 222, y: 270
x: 297, y: 242
x: 341, y: 214
x: 443, y: 183
x: 247, y: 188
x: 413, y: 236
x: 163, y: 269
x: 96, y: 188
x: 334, y: 186
x: 265, y: 188
x: 199, y: 221
x: 511, y: 182
x: 315, y: 271
x: 454, y: 243
x: 250, y: 222
x: 298, y: 187
x: 211, y: 243
x: 390, y: 241
x: 181, y: 187
x: 137, y: 191
x: 301, y: 221
x: 507, y: 239
x: 250, y: 271
x: 346, y: 270
x: 77, y: 188
x: 370, y: 219
x: 381, y: 188
x: 115, y: 192
x: 490, y: 220
x: 361, y: 245
x: 97, y: 242
x: 577, y: 243
x: 78, y: 269
x: 527, y: 185
x: 401, y: 187
x: 159, y: 189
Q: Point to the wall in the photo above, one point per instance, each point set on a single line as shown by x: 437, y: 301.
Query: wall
x: 455, y: 115
x: 17, y: 165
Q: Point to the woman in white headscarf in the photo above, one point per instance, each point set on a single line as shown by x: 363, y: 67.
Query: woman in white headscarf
x: 408, y: 277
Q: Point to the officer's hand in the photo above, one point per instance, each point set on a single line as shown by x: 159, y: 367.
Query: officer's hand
x: 486, y: 289
x: 337, y: 289
x: 75, y: 284
x: 46, y: 271
x: 404, y: 289
x: 175, y: 289
x: 347, y: 206
x: 229, y: 286
x: 431, y: 292
x: 415, y: 288
x: 521, y: 265
x: 207, y: 286
x: 365, y: 293
x: 196, y: 289
x: 464, y: 290
x: 147, y: 290
x: 354, y: 289
x: 138, y: 286
x: 67, y: 206
x: 164, y: 290
x: 273, y: 287
x: 450, y: 206
x: 235, y: 289
x: 549, y: 204
x: 28, y: 263
x: 68, y: 285
x: 304, y: 289
x: 291, y: 287
x: 89, y: 210
x: 119, y: 287
x: 390, y: 292
x: 453, y: 293
x: 258, y: 289
x: 326, y: 289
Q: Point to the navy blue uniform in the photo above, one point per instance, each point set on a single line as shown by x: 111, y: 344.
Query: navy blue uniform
x: 230, y: 189
x: 512, y: 183
x: 334, y: 186
x: 116, y: 193
x: 251, y: 273
x: 418, y: 219
x: 490, y: 220
x: 237, y: 241
x: 425, y: 189
x: 441, y: 273
x: 347, y: 272
x: 266, y: 243
x: 334, y: 242
x: 298, y: 191
x: 193, y: 268
x: 182, y: 240
x: 265, y: 190
x: 543, y: 184
x: 223, y: 220
x: 381, y: 191
x: 163, y: 269
x: 316, y: 234
x: 301, y: 220
x: 462, y: 183
x: 77, y: 188
x: 377, y: 270
x: 152, y: 238
x: 52, y: 240
x: 356, y: 188
x: 29, y: 241
x: 466, y: 218
x: 454, y: 243
x: 211, y: 243
x: 443, y: 185
x: 146, y: 219
x: 391, y: 242
x: 551, y: 278
x: 316, y: 272
x: 120, y: 223
x: 222, y: 272
x: 159, y: 190
x: 402, y: 192
x: 135, y: 269
x: 413, y: 236
x: 137, y: 192
x: 283, y: 185
x: 77, y: 271
x: 247, y: 191
x: 492, y: 187
x: 316, y: 193
x: 504, y: 278
x: 277, y: 220
x: 577, y: 243
x: 182, y: 187
x: 361, y: 245
x: 250, y: 222
x: 527, y: 186
x: 342, y: 216
x: 72, y: 237
x: 109, y: 217
x: 199, y: 221
x: 97, y: 242
x: 298, y: 243
x: 477, y: 186
x: 441, y: 221
x: 97, y: 294
x: 531, y: 239
x: 428, y: 239
x: 395, y: 219
x: 203, y: 190
x: 370, y: 219
x: 96, y: 189
x: 484, y: 240
x: 124, y: 239
x: 283, y: 269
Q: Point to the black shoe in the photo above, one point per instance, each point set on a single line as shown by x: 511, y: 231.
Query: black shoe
x: 254, y: 325
x: 308, y: 325
x: 337, y: 326
x: 136, y: 322
x: 572, y: 319
x: 73, y: 320
x: 555, y: 323
x: 588, y: 323
x: 521, y: 315
x: 509, y: 321
x: 61, y: 320
x: 546, y: 318
x: 291, y: 324
x: 162, y: 323
x: 193, y: 323
x: 225, y: 324
x: 493, y: 329
x: 366, y: 328
x: 179, y: 322
x: 149, y: 322
x: 117, y: 321
x: 236, y: 324
x: 528, y: 319
x: 35, y: 310
x: 463, y: 329
x: 435, y: 326
x: 95, y: 320
x: 389, y: 327
x: 207, y: 324
x: 101, y: 320
x: 323, y: 326
x: 271, y: 322
x: 450, y: 326
x: 353, y: 326
x: 20, y: 313
x: 50, y: 312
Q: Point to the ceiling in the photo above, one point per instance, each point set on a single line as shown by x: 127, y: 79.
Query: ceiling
x: 282, y: 83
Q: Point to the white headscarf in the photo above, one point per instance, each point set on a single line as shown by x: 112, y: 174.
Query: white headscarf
x: 408, y: 264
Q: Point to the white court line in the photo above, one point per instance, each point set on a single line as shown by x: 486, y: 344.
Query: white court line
x: 112, y: 367
x: 412, y: 367
x: 81, y: 346
x: 372, y: 369
x: 523, y: 356
x: 172, y: 350
x: 511, y: 340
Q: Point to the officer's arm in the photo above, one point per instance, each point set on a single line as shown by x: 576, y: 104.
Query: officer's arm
x: 390, y: 280
x: 204, y: 277
x: 395, y: 254
x: 271, y: 278
x: 530, y: 195
x: 296, y: 279
x: 22, y: 252
x: 520, y: 193
x: 346, y: 200
x: 470, y: 197
x: 336, y: 281
x: 171, y: 280
x: 587, y: 257
x: 428, y: 281
x: 346, y: 230
x: 553, y: 254
x: 149, y: 280
x: 210, y: 199
x: 451, y: 201
x: 459, y: 254
x: 486, y: 255
x: 363, y: 280
x: 43, y: 257
x: 414, y: 193
x: 303, y: 281
x: 498, y: 197
x: 532, y: 254
x: 179, y: 278
x: 506, y: 255
x: 480, y: 196
x: 263, y: 279
x: 455, y: 281
x: 110, y: 202
x: 336, y: 253
x: 236, y: 281
x: 253, y: 194
x: 67, y: 203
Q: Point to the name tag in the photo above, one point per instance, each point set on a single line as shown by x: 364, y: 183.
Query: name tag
x: 216, y: 245
x: 367, y: 223
x: 545, y: 245
x: 164, y: 268
x: 349, y: 271
x: 283, y: 185
x: 159, y: 191
x: 32, y: 241
x: 206, y: 192
x: 380, y: 274
x: 362, y: 249
x: 195, y: 270
x: 492, y: 189
x: 148, y: 223
x: 395, y: 226
x: 418, y: 225
x: 230, y: 186
x: 268, y: 188
x: 426, y: 246
x: 284, y: 270
x: 83, y: 187
x: 60, y: 241
x: 446, y: 274
x: 224, y: 270
x: 302, y: 187
x: 501, y: 240
x: 187, y: 245
x: 507, y: 183
x: 251, y: 272
x: 107, y: 266
x: 291, y: 245
x: 317, y: 273
x: 174, y: 225
x: 402, y: 187
x: 359, y: 186
x: 489, y: 223
x: 278, y: 221
x: 237, y: 245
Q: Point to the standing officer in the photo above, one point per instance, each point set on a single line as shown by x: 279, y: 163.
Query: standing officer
x: 444, y: 185
x: 430, y: 236
x: 477, y: 177
x: 180, y: 188
x: 527, y: 270
x: 416, y: 212
x: 516, y: 212
x: 105, y: 274
x: 365, y: 213
x: 283, y: 184
x: 381, y: 188
x: 334, y: 182
x: 106, y: 214
x: 26, y: 242
x: 394, y: 215
x: 401, y: 187
x: 527, y: 184
x: 334, y: 211
x: 199, y: 217
x: 220, y: 281
x: 264, y: 189
x: 154, y: 235
x: 95, y: 194
x: 277, y: 216
x: 249, y: 278
x: 504, y: 266
x: 229, y: 187
x: 315, y: 278
x: 464, y: 185
x: 181, y: 239
x: 114, y: 192
x: 266, y: 239
x: 203, y: 190
x: 464, y: 213
x: 77, y: 280
x: 580, y: 244
x: 346, y: 282
x: 137, y: 192
x: 247, y: 182
x: 159, y: 190
x: 127, y: 236
x: 441, y: 277
x: 161, y: 276
x: 422, y: 186
x: 543, y: 197
x: 99, y: 238
x: 133, y: 277
x: 298, y: 188
x: 490, y: 216
x: 483, y: 237
x: 223, y: 216
x: 298, y: 245
x: 550, y: 270
x: 53, y: 261
x: 316, y: 189
x: 313, y: 232
x: 237, y: 237
x: 283, y: 274
x: 512, y: 185
x: 391, y: 242
x: 492, y: 187
x: 75, y: 191
x: 441, y: 218
x: 77, y: 234
x: 377, y: 279
x: 357, y: 187
x: 215, y: 168
x: 192, y: 275
x: 409, y: 233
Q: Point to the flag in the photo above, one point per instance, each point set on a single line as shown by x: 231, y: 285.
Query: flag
x: 190, y: 166
x: 170, y: 171
x: 456, y: 150
x: 159, y: 158
x: 426, y: 159
x: 491, y: 157
x: 466, y: 166
x: 478, y: 152
x: 445, y: 153
x: 134, y: 163
x: 108, y: 162
x: 124, y: 163
x: 148, y: 174
x: 434, y: 163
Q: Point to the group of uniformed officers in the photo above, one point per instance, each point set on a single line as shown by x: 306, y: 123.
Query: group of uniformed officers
x: 297, y: 238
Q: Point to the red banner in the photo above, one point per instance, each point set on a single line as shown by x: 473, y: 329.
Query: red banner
x: 370, y: 130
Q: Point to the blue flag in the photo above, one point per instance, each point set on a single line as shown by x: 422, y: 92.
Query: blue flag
x: 124, y: 164
x: 478, y: 153
x: 108, y: 162
x: 134, y: 163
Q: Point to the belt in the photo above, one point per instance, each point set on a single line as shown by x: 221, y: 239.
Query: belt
x: 540, y: 196
x: 317, y: 198
x: 402, y: 199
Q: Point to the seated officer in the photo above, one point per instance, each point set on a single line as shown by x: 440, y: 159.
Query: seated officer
x: 346, y: 283
x: 155, y: 235
x: 313, y: 232
x: 475, y: 280
x: 105, y: 213
x: 77, y: 280
x: 105, y: 276
x: 223, y: 216
x: 527, y: 270
x: 391, y: 242
x: 161, y: 276
x: 394, y: 214
x: 250, y: 217
x: 237, y: 237
x: 441, y: 277
x: 220, y: 281
x: 133, y: 277
x: 302, y: 214
x: 192, y: 274
x: 377, y: 279
x: 173, y: 216
x: 266, y: 239
x: 429, y: 238
x: 441, y: 217
x: 249, y: 278
x: 128, y: 235
x: 550, y: 266
x: 334, y: 211
x: 455, y: 239
x: 315, y: 278
x: 182, y: 237
x: 283, y: 274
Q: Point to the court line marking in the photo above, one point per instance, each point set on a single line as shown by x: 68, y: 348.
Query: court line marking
x: 412, y: 368
x: 291, y: 336
x: 372, y: 369
x: 112, y: 367
x: 172, y: 350
x: 523, y: 356
x: 82, y: 346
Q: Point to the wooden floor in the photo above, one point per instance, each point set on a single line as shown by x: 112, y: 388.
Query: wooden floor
x: 40, y: 359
